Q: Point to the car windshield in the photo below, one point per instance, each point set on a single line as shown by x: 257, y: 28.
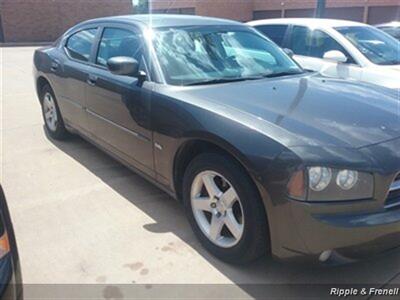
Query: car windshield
x: 379, y: 47
x: 217, y: 54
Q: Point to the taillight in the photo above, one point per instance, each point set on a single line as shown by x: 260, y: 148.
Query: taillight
x: 4, y: 245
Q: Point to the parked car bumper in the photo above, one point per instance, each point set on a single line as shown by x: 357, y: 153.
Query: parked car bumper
x: 340, y: 231
x: 335, y: 238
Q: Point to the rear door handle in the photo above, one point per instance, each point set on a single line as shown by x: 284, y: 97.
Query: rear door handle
x: 91, y: 80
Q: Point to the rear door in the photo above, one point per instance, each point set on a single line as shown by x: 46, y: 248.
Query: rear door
x: 118, y: 107
x: 71, y: 71
x: 309, y: 47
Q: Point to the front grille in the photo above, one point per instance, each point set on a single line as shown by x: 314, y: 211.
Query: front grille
x: 393, y: 198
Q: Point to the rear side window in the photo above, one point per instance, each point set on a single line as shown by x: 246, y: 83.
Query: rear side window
x: 119, y: 42
x: 301, y: 41
x: 314, y: 43
x: 277, y: 33
x: 79, y: 45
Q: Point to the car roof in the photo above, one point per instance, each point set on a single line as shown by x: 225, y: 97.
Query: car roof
x: 390, y: 24
x: 164, y: 20
x: 310, y: 22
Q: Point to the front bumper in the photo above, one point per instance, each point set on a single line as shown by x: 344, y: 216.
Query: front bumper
x: 341, y: 230
x: 346, y: 236
x: 334, y: 233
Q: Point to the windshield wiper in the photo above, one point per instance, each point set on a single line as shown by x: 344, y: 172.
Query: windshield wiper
x: 258, y: 76
x: 284, y: 73
x: 221, y: 80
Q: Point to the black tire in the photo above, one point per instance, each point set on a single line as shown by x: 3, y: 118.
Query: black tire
x: 59, y: 132
x: 254, y: 241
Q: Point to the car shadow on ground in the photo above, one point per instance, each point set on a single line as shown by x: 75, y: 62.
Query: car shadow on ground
x: 169, y: 217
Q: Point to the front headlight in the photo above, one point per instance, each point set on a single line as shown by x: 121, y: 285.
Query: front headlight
x: 319, y: 178
x: 347, y: 179
x: 328, y: 184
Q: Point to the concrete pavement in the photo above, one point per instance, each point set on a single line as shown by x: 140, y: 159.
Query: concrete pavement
x: 81, y: 217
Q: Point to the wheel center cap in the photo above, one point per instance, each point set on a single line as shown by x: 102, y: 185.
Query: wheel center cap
x: 220, y: 207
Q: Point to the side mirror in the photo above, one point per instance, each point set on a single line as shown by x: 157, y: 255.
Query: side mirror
x: 288, y: 52
x: 335, y: 56
x: 123, y: 65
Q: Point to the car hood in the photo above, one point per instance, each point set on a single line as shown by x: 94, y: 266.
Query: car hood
x: 305, y: 109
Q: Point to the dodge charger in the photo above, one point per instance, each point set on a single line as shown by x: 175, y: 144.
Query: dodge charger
x: 264, y: 156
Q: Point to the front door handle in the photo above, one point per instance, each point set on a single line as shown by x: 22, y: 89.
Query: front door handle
x: 91, y: 80
x: 54, y: 65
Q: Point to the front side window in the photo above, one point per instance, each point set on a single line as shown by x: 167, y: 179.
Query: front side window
x: 277, y: 33
x: 314, y: 43
x: 377, y: 46
x: 119, y: 42
x: 79, y: 45
x: 201, y: 54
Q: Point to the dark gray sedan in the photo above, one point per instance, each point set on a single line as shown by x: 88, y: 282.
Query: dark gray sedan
x: 264, y: 156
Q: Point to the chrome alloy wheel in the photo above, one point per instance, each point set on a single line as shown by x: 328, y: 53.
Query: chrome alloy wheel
x: 50, y: 112
x: 217, y: 209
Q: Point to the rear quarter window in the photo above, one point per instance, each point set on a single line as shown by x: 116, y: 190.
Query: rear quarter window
x: 277, y: 33
x: 79, y: 45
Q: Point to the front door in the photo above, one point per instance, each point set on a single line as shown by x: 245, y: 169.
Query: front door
x: 309, y: 47
x: 118, y: 107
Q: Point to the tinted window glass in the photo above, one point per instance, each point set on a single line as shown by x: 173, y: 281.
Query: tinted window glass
x: 379, y: 47
x: 119, y: 42
x: 301, y: 40
x: 79, y: 45
x: 314, y: 43
x: 276, y: 33
x: 393, y: 31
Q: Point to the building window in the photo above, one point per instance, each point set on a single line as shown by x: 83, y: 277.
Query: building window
x: 299, y: 13
x: 1, y: 31
x: 180, y: 11
x: 266, y: 14
x: 188, y: 11
x: 346, y: 13
x: 383, y: 14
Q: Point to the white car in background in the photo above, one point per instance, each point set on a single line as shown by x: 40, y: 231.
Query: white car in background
x: 392, y: 28
x: 338, y: 48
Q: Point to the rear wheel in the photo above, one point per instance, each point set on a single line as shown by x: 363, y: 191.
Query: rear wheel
x: 51, y: 114
x: 225, y: 209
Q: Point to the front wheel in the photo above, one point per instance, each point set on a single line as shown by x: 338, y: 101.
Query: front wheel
x: 225, y: 209
x: 51, y: 115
